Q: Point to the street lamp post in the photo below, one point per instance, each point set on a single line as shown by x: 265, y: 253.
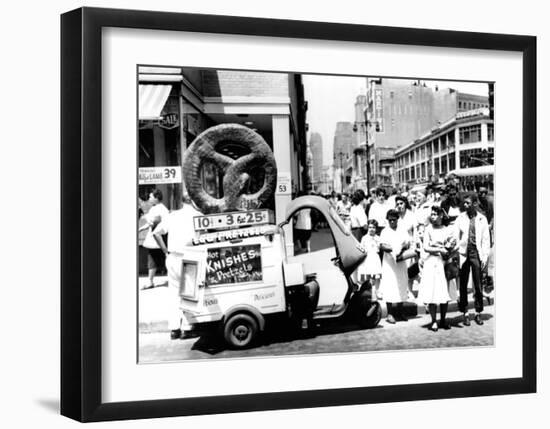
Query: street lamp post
x: 341, y: 155
x: 365, y: 124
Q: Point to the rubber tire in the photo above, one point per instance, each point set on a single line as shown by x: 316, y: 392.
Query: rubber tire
x: 365, y: 321
x: 240, y: 331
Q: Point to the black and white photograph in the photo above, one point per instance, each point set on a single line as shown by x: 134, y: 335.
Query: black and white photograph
x: 280, y: 214
x: 283, y: 213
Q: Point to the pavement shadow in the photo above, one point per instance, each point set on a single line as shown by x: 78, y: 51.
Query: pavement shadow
x: 457, y: 321
x: 214, y: 345
x: 209, y: 344
x: 49, y: 404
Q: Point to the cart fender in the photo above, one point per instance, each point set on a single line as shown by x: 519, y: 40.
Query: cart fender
x: 246, y: 309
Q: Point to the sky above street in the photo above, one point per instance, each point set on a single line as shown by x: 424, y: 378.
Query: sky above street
x: 331, y: 99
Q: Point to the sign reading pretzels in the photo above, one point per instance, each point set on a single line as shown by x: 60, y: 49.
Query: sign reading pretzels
x: 236, y: 172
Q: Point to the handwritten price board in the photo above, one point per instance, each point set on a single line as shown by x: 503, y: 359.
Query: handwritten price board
x: 235, y: 264
x: 232, y: 219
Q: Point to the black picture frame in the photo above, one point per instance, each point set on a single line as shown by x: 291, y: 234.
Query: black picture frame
x: 81, y: 208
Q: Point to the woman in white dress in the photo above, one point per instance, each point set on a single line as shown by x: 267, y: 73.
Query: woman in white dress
x: 438, y: 243
x: 393, y: 285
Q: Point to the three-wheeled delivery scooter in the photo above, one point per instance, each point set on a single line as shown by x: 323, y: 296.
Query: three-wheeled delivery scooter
x: 237, y: 276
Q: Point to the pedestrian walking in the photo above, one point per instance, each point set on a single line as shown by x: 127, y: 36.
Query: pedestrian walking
x: 343, y: 208
x: 474, y: 246
x: 302, y: 229
x: 394, y: 281
x: 357, y: 217
x: 180, y: 229
x: 156, y: 214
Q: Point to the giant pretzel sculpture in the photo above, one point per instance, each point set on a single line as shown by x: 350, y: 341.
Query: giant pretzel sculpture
x: 236, y: 173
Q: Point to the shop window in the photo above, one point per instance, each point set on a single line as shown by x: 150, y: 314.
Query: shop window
x: 470, y: 134
x: 452, y: 163
x: 444, y: 165
x: 476, y: 157
x: 451, y: 139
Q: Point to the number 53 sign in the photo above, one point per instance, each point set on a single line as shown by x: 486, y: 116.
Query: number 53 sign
x: 284, y: 184
x: 159, y: 175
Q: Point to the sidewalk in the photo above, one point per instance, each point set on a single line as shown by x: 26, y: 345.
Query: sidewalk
x: 413, y: 307
x: 152, y: 303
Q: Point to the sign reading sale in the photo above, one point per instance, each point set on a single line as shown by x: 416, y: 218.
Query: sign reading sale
x: 159, y: 175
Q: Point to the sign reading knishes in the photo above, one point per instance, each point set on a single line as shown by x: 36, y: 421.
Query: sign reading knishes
x: 233, y: 264
x: 159, y: 175
x: 232, y: 219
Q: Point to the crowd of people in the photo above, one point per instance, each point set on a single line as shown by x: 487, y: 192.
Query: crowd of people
x: 428, y: 246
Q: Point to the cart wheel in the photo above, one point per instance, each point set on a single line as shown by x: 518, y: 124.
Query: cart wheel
x: 369, y: 314
x: 240, y: 331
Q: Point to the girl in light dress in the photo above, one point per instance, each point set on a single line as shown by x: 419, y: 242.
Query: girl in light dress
x: 439, y: 242
x: 371, y: 268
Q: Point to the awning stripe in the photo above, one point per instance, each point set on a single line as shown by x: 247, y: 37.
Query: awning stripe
x: 152, y: 99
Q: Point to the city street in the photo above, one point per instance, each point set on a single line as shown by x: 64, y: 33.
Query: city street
x: 334, y: 336
x: 330, y: 337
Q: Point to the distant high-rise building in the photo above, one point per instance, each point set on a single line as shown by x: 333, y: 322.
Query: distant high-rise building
x: 316, y: 147
x: 344, y: 142
x: 399, y: 111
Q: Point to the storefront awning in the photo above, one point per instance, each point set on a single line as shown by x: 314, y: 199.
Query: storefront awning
x: 152, y: 99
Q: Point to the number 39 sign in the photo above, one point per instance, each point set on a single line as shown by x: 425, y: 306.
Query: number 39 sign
x: 159, y: 175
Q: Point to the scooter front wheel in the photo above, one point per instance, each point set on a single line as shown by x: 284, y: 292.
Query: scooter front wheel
x: 369, y: 314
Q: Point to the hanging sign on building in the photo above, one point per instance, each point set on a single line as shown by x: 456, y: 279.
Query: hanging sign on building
x: 234, y: 264
x: 284, y: 184
x: 379, y: 110
x: 159, y: 175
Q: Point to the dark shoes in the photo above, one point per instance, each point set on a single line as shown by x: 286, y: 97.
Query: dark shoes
x: 175, y: 334
x: 402, y: 318
x: 478, y: 319
x: 444, y: 325
x: 466, y: 319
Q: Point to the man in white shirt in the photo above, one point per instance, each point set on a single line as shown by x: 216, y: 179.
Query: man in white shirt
x: 343, y: 208
x: 302, y: 229
x: 473, y: 246
x: 357, y: 216
x: 156, y: 214
x: 180, y: 229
